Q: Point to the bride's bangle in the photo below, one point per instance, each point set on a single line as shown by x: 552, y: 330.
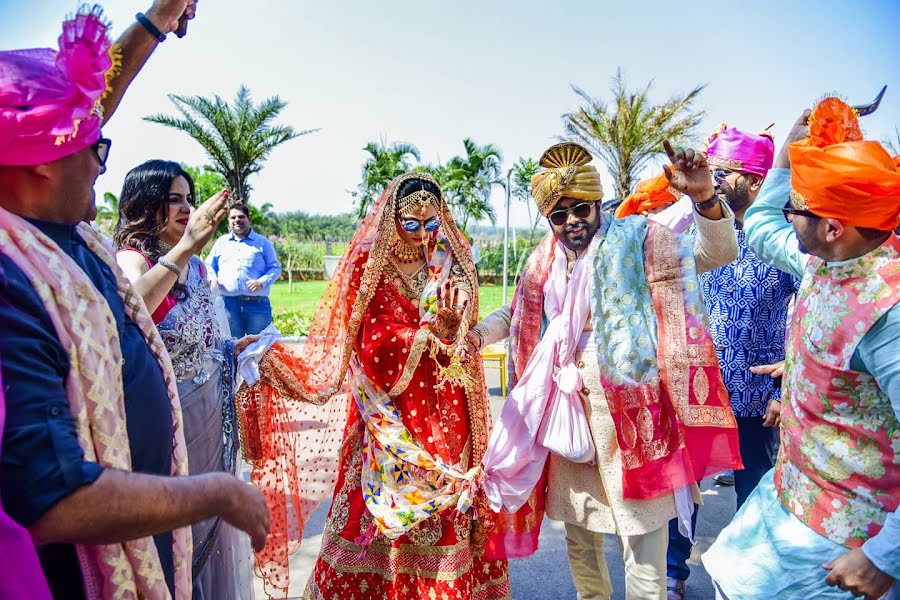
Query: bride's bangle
x: 169, y: 265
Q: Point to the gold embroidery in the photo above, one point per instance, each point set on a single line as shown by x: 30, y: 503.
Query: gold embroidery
x: 629, y: 434
x: 645, y: 424
x: 728, y: 163
x: 427, y: 532
x: 701, y: 385
x: 798, y: 200
x: 420, y: 342
x: 407, y: 559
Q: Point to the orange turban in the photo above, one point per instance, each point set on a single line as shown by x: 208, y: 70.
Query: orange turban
x: 647, y: 195
x: 838, y: 175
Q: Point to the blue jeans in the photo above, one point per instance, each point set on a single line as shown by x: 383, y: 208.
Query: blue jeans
x: 759, y: 447
x: 247, y: 315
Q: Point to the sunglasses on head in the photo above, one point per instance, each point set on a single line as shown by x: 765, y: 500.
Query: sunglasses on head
x: 101, y: 149
x: 582, y: 210
x: 413, y: 225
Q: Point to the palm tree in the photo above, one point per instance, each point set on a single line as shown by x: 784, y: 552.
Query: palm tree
x: 237, y: 138
x: 892, y: 144
x: 470, y: 179
x: 384, y: 163
x: 629, y: 134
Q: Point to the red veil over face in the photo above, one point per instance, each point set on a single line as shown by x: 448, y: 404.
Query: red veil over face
x: 293, y: 421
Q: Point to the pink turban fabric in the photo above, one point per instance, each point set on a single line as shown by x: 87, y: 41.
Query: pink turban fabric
x: 50, y: 100
x: 737, y: 150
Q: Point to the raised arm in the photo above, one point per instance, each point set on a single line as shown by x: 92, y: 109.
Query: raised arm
x: 769, y: 234
x: 716, y: 241
x: 137, y: 44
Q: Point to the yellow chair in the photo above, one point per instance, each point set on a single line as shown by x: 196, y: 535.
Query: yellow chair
x: 497, y: 352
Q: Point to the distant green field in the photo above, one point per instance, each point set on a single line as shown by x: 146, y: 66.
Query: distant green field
x: 307, y: 293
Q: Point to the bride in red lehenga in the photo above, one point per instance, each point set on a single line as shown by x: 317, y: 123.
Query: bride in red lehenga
x: 390, y: 420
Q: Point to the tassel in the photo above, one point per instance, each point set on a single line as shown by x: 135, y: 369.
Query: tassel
x: 365, y: 540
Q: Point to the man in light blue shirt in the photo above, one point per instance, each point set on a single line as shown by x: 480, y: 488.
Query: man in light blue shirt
x: 245, y: 265
x: 790, y: 540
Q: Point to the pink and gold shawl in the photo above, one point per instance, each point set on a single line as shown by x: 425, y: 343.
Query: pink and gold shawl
x: 86, y: 329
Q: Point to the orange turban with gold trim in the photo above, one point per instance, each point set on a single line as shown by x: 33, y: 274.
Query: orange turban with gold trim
x: 837, y: 174
x: 647, y: 195
x: 566, y: 173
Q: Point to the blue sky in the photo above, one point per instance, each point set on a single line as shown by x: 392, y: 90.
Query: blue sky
x: 433, y: 73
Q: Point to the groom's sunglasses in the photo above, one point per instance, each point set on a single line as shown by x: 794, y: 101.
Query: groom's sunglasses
x: 582, y: 210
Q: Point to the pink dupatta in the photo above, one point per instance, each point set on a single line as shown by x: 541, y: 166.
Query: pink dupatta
x: 521, y: 441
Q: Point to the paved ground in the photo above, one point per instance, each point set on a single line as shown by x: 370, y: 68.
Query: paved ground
x: 546, y: 575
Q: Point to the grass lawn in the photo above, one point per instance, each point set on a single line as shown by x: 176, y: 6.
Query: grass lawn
x: 307, y: 293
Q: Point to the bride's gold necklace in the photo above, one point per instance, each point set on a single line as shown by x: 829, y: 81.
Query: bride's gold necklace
x: 405, y: 253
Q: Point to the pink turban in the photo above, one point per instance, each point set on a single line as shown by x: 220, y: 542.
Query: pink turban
x: 734, y: 149
x: 50, y: 101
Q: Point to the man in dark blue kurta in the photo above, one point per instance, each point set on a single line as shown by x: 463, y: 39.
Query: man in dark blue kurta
x: 47, y: 174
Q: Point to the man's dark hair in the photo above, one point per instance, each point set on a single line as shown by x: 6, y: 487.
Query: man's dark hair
x: 871, y: 235
x: 241, y: 207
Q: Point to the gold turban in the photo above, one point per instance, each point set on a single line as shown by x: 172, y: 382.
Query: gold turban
x: 566, y: 173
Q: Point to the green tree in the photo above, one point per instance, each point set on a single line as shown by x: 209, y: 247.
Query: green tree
x: 288, y: 250
x: 237, y: 137
x: 108, y: 213
x: 520, y: 188
x: 385, y: 162
x: 627, y: 134
x: 109, y: 210
x: 441, y: 174
x: 207, y: 182
x: 470, y: 180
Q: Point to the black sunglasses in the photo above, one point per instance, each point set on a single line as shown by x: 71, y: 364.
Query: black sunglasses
x: 790, y: 211
x: 101, y: 149
x: 582, y: 210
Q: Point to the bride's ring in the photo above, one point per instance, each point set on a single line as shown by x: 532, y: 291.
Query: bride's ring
x: 210, y: 218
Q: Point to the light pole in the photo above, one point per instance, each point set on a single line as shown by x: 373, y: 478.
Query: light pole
x: 506, y: 239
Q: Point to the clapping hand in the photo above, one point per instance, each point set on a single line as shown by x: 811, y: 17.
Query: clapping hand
x: 203, y: 222
x: 689, y: 173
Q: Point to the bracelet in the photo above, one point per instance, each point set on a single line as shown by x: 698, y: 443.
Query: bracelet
x: 707, y: 204
x: 169, y: 265
x: 477, y: 331
x: 150, y: 27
